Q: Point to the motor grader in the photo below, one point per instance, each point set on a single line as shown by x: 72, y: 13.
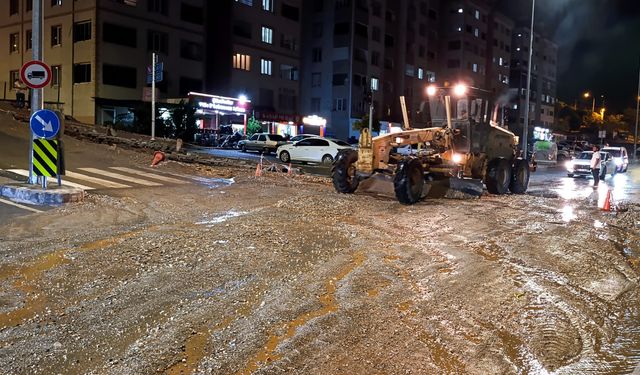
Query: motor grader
x: 463, y: 142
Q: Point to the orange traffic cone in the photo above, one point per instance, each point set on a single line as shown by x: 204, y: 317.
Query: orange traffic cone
x: 607, y: 202
x: 259, y: 170
x: 158, y: 156
x: 289, y: 171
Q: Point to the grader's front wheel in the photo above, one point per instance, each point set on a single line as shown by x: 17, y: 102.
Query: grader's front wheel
x: 409, y: 181
x: 343, y: 172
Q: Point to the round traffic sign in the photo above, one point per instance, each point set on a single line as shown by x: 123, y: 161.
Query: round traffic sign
x: 45, y: 124
x: 35, y: 74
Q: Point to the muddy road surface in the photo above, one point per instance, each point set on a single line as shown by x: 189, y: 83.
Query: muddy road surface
x: 282, y: 275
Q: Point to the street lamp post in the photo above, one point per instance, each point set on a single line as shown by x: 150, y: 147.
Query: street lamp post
x: 525, y: 130
x: 593, y: 100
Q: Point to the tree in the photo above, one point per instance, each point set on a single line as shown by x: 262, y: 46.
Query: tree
x: 253, y: 126
x: 364, y: 123
x: 568, y: 118
x: 183, y: 121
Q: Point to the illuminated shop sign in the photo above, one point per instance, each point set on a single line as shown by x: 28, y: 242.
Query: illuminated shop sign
x: 219, y: 103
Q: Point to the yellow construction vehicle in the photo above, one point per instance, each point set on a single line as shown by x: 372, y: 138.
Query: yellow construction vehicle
x: 463, y: 142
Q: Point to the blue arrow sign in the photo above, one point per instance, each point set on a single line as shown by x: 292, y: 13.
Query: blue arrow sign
x: 45, y: 124
x: 159, y: 73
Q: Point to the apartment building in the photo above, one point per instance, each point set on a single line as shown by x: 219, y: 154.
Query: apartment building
x: 543, y: 79
x: 254, y: 49
x: 99, y: 51
x: 352, y: 46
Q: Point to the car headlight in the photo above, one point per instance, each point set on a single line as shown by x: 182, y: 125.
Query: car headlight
x: 569, y: 165
x: 618, y: 161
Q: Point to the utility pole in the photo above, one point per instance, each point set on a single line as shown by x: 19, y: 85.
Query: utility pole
x: 525, y: 130
x: 635, y: 137
x: 154, y: 58
x: 36, y: 94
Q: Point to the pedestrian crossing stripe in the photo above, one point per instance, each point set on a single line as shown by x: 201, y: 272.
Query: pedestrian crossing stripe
x: 45, y: 157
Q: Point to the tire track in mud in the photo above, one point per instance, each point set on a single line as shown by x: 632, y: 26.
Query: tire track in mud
x: 329, y: 305
x: 29, y: 275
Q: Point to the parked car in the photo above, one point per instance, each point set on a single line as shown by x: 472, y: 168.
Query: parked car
x: 264, y: 142
x: 581, y: 166
x: 316, y: 149
x: 620, y: 157
x: 300, y: 137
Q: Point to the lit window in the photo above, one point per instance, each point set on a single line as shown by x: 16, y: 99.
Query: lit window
x: 13, y: 42
x: 56, y: 3
x: 500, y: 61
x: 265, y: 67
x: 477, y: 14
x: 374, y: 84
x: 459, y: 29
x: 267, y: 35
x: 460, y: 10
x: 242, y: 62
x: 476, y: 32
x: 267, y: 5
x: 474, y: 67
x: 518, y: 49
x: 420, y: 73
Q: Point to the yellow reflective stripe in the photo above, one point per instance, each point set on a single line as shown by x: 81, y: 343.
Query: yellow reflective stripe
x: 40, y: 169
x: 50, y: 148
x: 45, y: 158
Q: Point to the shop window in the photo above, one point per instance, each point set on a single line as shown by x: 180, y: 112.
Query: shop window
x: 82, y: 31
x: 117, y: 75
x: 242, y: 62
x: 82, y: 73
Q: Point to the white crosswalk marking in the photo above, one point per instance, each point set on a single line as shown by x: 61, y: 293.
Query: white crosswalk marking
x: 97, y: 181
x: 120, y: 177
x: 24, y: 172
x: 149, y: 175
x: 27, y: 208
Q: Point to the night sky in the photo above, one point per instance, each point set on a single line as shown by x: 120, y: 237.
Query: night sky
x: 598, y: 45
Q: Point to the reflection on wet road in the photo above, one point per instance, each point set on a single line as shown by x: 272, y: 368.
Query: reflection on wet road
x: 625, y: 187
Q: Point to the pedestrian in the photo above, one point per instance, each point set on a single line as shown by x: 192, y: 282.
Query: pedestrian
x: 20, y: 93
x: 595, y: 166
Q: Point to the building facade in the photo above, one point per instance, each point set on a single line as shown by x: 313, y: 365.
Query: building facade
x: 254, y: 49
x: 99, y: 51
x: 543, y: 80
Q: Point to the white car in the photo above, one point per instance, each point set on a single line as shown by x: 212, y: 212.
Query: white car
x: 581, y: 166
x: 315, y: 149
x: 620, y: 157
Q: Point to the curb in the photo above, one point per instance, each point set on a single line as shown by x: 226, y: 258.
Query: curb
x: 32, y: 194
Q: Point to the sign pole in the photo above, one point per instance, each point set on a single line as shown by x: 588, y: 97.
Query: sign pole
x: 153, y: 96
x: 36, y: 97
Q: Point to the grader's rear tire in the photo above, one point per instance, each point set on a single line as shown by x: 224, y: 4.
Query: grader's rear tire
x: 343, y: 172
x: 498, y: 176
x: 409, y: 181
x: 520, y: 177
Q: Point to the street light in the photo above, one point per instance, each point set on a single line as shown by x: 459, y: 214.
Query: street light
x: 593, y: 102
